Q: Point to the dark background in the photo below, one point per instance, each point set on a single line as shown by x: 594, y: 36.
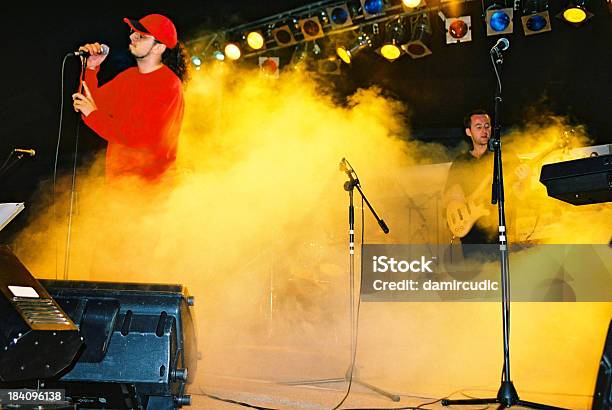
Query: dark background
x: 563, y: 72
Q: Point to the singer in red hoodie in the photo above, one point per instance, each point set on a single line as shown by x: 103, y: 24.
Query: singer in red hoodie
x: 140, y: 111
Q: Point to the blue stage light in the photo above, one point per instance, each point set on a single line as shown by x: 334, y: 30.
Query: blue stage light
x: 373, y: 6
x: 339, y: 16
x: 536, y: 19
x: 500, y: 20
x: 536, y: 23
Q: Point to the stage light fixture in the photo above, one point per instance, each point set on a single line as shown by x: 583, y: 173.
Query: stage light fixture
x: 535, y: 17
x: 283, y: 36
x: 339, y: 16
x: 372, y: 8
x: 395, y: 35
x: 269, y: 66
x: 311, y: 28
x: 346, y: 54
x: 196, y: 61
x: 218, y: 55
x: 255, y: 40
x: 575, y: 13
x: 418, y: 46
x: 232, y: 51
x: 458, y: 30
x: 499, y: 19
x: 412, y: 4
x: 329, y: 66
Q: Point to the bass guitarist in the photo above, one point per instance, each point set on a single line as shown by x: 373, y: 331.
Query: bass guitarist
x: 467, y: 198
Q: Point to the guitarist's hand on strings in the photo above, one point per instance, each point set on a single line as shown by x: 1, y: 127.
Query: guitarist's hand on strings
x: 522, y: 173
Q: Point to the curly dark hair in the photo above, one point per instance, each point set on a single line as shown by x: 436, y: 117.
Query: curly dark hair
x: 176, y: 60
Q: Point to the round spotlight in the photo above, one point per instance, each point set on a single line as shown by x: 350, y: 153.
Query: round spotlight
x: 390, y: 52
x: 311, y: 28
x: 416, y: 49
x: 255, y: 40
x: 344, y: 54
x: 373, y: 6
x: 574, y: 15
x: 232, y: 51
x: 283, y: 36
x: 536, y: 23
x: 500, y: 20
x: 269, y: 66
x: 411, y: 3
x: 218, y: 55
x: 339, y: 16
x: 458, y: 29
x: 196, y: 61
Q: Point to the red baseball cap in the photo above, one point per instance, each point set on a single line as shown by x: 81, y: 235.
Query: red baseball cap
x: 160, y: 27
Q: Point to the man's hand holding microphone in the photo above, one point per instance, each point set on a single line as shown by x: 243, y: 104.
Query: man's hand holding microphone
x: 96, y: 53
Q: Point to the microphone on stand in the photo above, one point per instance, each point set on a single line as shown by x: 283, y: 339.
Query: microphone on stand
x: 346, y: 167
x: 29, y: 152
x: 343, y: 166
x: 502, y: 45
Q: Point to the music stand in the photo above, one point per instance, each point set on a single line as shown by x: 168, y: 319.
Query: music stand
x: 8, y: 212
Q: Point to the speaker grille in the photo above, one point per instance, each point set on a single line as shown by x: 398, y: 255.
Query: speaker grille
x: 40, y: 311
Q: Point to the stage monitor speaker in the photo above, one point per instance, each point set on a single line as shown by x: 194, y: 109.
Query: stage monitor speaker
x: 139, y: 344
x: 602, y: 399
x: 37, y: 339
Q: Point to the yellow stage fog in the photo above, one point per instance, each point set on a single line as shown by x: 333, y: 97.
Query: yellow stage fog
x: 255, y: 225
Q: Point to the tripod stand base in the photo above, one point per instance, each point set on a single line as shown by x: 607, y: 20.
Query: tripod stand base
x: 347, y: 377
x: 506, y: 397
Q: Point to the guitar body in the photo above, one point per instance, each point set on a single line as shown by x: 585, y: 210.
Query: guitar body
x: 461, y: 216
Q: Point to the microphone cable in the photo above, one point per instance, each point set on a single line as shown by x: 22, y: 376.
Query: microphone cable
x: 74, y: 166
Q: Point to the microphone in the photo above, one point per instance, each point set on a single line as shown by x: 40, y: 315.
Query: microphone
x: 30, y: 152
x: 345, y: 167
x: 502, y: 45
x: 342, y: 166
x: 104, y: 51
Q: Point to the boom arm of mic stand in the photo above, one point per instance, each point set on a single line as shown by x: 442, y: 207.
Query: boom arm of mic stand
x: 381, y: 223
x: 354, y: 182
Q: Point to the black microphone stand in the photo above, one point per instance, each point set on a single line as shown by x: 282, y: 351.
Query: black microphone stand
x: 506, y: 395
x: 6, y: 166
x: 351, y: 373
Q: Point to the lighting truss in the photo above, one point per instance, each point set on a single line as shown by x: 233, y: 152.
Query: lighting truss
x: 313, y: 21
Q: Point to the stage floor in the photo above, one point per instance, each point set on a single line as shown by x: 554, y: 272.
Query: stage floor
x: 433, y: 351
x: 262, y: 394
